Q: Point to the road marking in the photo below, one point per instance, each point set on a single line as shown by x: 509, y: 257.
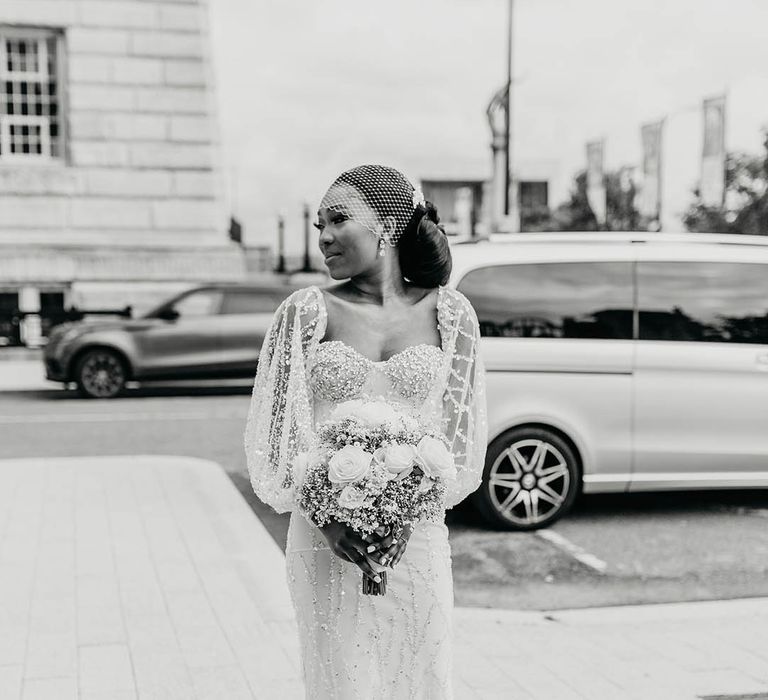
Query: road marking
x: 118, y: 417
x: 574, y: 550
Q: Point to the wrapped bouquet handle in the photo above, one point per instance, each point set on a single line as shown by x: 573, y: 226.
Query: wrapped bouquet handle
x: 371, y: 586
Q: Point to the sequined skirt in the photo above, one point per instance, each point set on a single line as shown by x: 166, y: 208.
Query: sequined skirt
x: 396, y: 646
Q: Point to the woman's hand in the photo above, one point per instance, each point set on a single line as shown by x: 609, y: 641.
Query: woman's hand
x: 388, y: 548
x: 346, y: 544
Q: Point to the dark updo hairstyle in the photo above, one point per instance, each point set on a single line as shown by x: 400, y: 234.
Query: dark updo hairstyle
x: 422, y: 246
x: 423, y: 250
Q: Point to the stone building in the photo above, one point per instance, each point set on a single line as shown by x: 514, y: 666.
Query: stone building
x: 110, y: 181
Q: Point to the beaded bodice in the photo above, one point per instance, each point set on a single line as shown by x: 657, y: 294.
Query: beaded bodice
x: 339, y: 372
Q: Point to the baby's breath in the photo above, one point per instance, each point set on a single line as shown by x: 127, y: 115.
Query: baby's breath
x: 387, y: 501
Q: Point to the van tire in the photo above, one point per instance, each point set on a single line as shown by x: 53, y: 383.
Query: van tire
x: 543, y: 470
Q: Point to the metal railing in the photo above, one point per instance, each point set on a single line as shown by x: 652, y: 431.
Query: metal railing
x: 19, y: 328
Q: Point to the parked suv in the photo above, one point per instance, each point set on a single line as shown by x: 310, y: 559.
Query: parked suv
x: 207, y: 332
x: 618, y: 362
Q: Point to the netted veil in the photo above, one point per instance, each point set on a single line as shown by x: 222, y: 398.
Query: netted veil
x: 385, y: 191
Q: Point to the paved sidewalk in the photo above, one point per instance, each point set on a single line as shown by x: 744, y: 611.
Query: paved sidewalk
x: 150, y: 577
x: 138, y: 577
x: 24, y: 375
x: 676, y: 651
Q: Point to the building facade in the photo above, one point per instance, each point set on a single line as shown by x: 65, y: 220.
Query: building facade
x: 110, y: 178
x: 466, y: 205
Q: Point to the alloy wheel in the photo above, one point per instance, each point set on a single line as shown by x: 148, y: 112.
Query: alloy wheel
x: 101, y: 374
x: 531, y: 478
x: 528, y: 481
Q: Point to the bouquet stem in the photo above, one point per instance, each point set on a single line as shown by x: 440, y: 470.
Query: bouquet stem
x: 370, y: 587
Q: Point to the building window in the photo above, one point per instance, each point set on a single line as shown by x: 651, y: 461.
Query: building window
x: 30, y: 96
x: 534, y: 195
x: 9, y: 318
x: 534, y: 204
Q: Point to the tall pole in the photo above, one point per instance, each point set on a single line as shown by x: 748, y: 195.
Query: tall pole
x: 307, y: 263
x: 280, y: 244
x: 508, y: 112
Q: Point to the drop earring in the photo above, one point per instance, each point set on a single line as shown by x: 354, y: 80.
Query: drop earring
x: 381, y: 246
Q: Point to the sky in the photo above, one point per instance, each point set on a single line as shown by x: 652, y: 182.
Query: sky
x: 308, y: 88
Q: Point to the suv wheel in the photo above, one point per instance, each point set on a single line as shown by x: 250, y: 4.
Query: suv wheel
x: 100, y: 374
x: 531, y: 479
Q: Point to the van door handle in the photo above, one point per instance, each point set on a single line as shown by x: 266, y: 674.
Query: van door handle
x: 762, y: 361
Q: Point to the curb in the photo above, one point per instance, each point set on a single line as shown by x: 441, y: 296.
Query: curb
x: 621, y: 614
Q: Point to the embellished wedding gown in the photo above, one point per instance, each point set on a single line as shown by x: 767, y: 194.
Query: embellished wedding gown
x: 353, y: 645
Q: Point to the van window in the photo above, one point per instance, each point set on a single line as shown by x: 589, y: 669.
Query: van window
x: 237, y: 301
x: 703, y: 301
x: 552, y: 300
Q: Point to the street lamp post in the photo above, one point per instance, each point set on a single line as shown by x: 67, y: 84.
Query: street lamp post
x: 497, y: 121
x: 504, y: 214
x: 280, y: 244
x: 511, y: 204
x: 508, y: 178
x: 307, y: 263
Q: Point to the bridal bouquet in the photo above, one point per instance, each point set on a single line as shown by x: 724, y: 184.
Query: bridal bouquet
x: 373, y: 467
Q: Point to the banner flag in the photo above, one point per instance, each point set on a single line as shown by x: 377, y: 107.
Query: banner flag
x: 712, y: 187
x: 596, y: 195
x: 650, y: 196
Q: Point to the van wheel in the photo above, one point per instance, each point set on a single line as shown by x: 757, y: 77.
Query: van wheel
x: 100, y: 374
x: 531, y: 479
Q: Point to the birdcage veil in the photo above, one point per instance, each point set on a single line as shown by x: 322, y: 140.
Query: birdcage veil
x: 368, y: 194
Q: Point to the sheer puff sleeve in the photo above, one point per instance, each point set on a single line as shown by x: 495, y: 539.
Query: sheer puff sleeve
x: 279, y: 422
x: 464, y: 410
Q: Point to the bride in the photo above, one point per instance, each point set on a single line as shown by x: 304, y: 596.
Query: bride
x: 390, y: 328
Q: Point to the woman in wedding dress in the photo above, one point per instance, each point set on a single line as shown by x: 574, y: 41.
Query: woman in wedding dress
x: 390, y: 328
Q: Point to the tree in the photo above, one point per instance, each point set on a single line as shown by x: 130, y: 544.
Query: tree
x: 620, y: 209
x: 746, y: 198
x: 576, y: 215
x: 573, y: 215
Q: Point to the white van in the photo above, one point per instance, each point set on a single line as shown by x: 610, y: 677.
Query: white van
x: 618, y: 362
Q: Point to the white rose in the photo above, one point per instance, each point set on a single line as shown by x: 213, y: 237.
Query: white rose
x: 346, y: 409
x: 410, y: 423
x: 378, y: 470
x: 434, y: 458
x: 379, y: 455
x: 351, y: 497
x: 349, y: 464
x: 376, y: 413
x: 399, y: 460
x: 390, y: 413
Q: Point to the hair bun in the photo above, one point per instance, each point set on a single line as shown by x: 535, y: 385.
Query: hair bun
x: 431, y: 219
x: 431, y: 211
x: 429, y: 227
x: 425, y: 256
